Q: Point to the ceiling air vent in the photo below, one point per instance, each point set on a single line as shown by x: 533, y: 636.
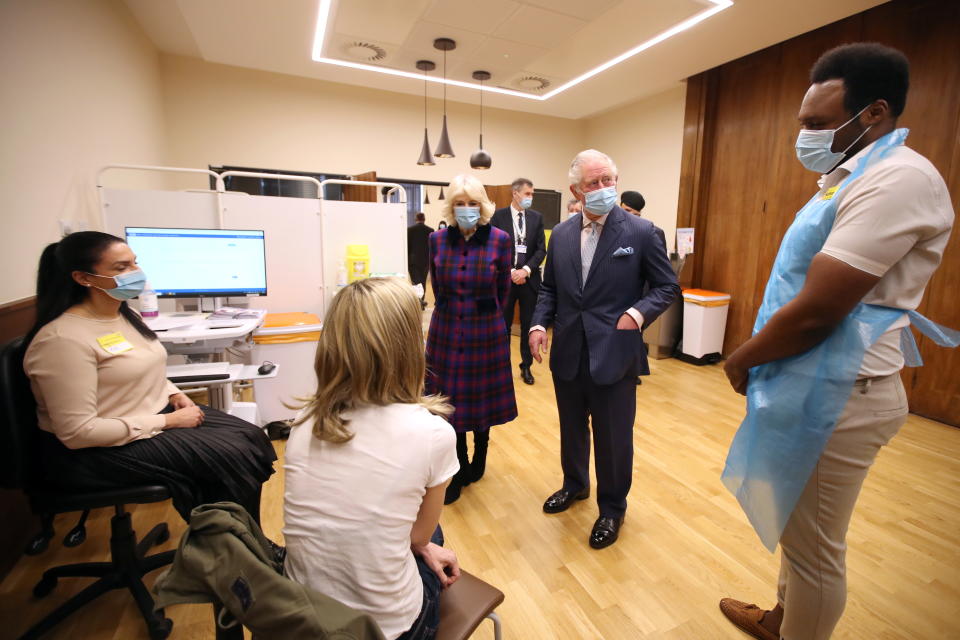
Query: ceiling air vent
x: 532, y: 83
x: 365, y: 51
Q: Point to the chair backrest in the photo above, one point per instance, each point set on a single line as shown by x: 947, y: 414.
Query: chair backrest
x: 19, y: 461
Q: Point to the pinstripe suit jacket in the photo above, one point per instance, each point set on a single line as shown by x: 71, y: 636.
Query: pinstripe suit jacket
x: 590, y: 310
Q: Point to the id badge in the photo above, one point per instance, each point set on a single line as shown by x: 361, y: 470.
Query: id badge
x: 115, y: 343
x: 521, y: 248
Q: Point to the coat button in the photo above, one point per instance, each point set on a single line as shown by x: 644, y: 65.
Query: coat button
x: 463, y: 267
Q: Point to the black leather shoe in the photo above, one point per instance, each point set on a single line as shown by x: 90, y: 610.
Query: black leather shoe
x: 525, y: 374
x: 605, y: 532
x: 561, y: 500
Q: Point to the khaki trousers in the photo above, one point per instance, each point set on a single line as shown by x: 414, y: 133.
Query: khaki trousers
x: 813, y: 584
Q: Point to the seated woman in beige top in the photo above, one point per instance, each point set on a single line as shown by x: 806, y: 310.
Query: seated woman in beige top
x: 98, y: 374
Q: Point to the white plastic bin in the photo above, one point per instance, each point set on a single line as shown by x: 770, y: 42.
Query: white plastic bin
x: 290, y: 341
x: 704, y: 321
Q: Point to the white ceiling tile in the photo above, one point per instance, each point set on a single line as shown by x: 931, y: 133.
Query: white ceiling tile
x: 576, y: 8
x: 479, y: 16
x: 539, y: 27
x: 376, y: 20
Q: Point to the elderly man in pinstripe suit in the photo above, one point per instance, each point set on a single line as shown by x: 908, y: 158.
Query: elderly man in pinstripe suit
x: 592, y: 294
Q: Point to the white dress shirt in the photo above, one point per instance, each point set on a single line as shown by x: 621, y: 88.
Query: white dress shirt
x: 514, y: 212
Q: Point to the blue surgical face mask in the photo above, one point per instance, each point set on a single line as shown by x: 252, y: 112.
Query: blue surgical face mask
x: 526, y: 203
x: 467, y: 217
x: 600, y: 202
x: 129, y: 284
x: 814, y: 147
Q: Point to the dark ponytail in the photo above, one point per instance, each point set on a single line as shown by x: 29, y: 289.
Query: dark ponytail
x: 57, y: 291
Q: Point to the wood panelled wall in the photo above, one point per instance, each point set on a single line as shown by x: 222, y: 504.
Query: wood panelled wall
x: 741, y: 184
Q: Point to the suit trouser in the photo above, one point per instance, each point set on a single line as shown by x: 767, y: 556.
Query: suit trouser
x: 813, y: 585
x: 611, y: 409
x: 418, y: 275
x: 526, y: 294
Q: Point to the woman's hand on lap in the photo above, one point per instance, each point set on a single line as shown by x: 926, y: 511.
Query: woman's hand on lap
x: 185, y: 418
x: 181, y: 401
x: 443, y: 562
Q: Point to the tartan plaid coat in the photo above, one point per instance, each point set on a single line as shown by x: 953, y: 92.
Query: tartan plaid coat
x: 468, y: 350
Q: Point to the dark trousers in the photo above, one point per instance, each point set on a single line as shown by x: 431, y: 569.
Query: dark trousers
x: 425, y: 626
x: 611, y: 410
x: 526, y: 294
x: 418, y: 275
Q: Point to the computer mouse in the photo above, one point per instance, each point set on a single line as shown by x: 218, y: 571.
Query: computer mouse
x: 266, y: 368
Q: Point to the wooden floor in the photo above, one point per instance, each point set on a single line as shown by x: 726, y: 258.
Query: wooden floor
x: 684, y: 545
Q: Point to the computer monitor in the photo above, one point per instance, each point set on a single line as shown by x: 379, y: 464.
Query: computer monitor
x: 183, y: 263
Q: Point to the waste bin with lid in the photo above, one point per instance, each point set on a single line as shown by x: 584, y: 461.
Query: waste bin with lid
x: 289, y: 340
x: 704, y: 323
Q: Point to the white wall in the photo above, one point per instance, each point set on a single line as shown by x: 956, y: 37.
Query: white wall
x: 88, y: 89
x: 645, y: 139
x: 81, y: 88
x: 221, y: 114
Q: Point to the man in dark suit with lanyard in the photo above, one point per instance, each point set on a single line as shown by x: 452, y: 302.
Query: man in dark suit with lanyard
x: 525, y: 227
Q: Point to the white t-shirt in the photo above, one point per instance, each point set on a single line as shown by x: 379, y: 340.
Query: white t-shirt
x: 349, y: 508
x: 894, y: 222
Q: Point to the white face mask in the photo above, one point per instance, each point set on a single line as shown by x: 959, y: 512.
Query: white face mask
x: 814, y: 146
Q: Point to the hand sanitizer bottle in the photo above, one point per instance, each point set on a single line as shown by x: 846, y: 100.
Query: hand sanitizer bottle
x: 149, y: 307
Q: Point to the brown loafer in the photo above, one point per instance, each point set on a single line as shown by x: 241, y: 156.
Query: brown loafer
x: 746, y: 617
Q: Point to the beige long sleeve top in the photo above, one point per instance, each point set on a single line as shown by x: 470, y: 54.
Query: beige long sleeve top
x: 98, y: 383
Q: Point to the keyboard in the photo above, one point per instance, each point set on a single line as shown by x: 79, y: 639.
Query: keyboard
x: 198, y: 372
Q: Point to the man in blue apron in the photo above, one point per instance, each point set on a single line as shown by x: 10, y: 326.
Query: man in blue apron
x: 821, y: 372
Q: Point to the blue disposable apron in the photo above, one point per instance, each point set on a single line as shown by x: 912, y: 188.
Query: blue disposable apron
x: 793, y: 404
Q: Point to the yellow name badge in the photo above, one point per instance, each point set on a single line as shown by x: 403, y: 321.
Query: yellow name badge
x: 114, y: 343
x: 829, y: 193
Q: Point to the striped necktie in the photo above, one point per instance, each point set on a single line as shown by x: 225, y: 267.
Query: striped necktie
x: 589, y: 248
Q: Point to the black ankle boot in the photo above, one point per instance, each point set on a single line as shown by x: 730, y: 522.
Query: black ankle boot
x: 480, y: 441
x: 464, y: 476
x: 452, y: 493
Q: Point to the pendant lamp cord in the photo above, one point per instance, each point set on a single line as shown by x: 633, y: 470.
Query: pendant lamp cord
x: 444, y: 83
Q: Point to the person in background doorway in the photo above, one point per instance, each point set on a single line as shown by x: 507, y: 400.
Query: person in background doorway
x: 574, y: 207
x: 418, y: 253
x: 442, y: 225
x: 525, y: 227
x: 633, y: 202
x: 845, y: 285
x: 367, y: 465
x: 468, y: 352
x: 598, y: 265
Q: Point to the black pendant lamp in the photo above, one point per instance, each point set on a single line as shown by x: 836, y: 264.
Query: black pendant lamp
x: 441, y: 194
x: 444, y: 150
x: 426, y: 195
x: 426, y: 158
x: 480, y: 158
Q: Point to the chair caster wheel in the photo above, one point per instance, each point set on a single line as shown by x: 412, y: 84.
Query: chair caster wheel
x: 45, y: 586
x: 38, y: 545
x: 76, y: 537
x: 160, y: 629
x: 164, y: 534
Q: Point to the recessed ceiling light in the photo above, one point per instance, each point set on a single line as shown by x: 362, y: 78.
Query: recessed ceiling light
x: 323, y: 16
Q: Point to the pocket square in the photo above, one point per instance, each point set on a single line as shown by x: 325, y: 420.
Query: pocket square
x: 623, y: 251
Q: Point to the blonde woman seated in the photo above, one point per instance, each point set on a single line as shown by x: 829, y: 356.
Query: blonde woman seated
x: 367, y: 467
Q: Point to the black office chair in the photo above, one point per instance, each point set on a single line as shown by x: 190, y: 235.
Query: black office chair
x: 20, y: 464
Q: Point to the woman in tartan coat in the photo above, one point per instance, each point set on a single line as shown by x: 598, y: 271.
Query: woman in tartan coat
x: 468, y: 351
